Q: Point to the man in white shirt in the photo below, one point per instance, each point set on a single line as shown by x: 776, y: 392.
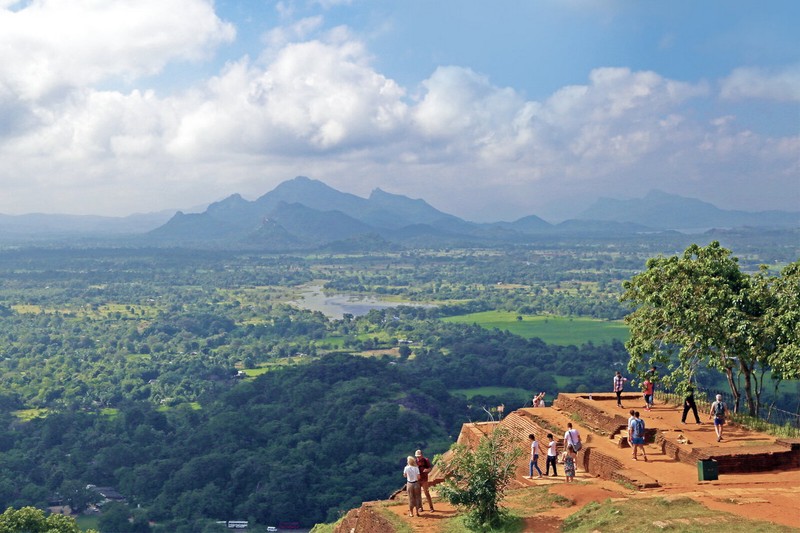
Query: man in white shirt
x: 573, y: 438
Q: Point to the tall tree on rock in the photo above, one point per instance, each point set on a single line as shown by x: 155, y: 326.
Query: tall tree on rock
x: 701, y: 309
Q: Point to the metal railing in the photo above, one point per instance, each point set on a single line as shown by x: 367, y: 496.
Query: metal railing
x: 771, y: 420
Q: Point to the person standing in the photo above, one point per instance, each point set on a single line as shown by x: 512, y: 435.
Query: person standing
x: 619, y: 384
x: 538, y: 400
x: 630, y: 421
x: 535, y: 452
x: 648, y: 389
x: 718, y: 412
x: 688, y: 403
x: 572, y: 438
x: 425, y: 466
x: 411, y: 473
x: 569, y: 464
x: 552, y: 454
x: 638, y: 436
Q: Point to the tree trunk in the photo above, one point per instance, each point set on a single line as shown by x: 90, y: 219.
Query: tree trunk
x: 734, y: 389
x: 748, y: 389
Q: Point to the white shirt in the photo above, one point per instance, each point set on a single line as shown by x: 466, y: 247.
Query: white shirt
x: 411, y: 473
x: 572, y: 437
x: 535, y: 450
x: 552, y: 449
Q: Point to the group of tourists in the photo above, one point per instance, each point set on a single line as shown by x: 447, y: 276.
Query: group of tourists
x: 636, y: 435
x: 418, y: 466
x: 572, y: 444
x: 648, y: 387
x: 416, y: 473
x: 717, y: 413
x: 538, y: 400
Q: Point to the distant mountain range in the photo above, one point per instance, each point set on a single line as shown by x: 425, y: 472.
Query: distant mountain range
x: 302, y: 214
x: 660, y: 210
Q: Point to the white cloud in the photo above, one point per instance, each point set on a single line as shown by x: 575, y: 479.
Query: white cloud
x: 313, y: 103
x: 748, y: 82
x: 297, y: 31
x: 52, y: 45
x: 314, y: 96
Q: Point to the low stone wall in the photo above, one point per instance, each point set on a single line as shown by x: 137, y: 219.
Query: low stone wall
x: 599, y: 464
x: 601, y: 422
x: 581, y: 407
x: 784, y: 454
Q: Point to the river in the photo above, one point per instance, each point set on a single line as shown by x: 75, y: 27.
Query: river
x: 334, y: 306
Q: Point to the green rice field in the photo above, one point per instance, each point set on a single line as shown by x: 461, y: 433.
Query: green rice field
x: 520, y: 395
x: 551, y: 329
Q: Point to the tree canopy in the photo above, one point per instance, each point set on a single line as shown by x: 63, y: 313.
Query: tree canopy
x: 33, y: 520
x: 701, y: 309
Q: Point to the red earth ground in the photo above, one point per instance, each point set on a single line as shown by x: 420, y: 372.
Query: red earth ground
x: 768, y: 496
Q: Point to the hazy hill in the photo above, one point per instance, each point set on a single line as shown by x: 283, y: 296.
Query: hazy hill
x: 308, y: 213
x: 660, y: 210
x: 77, y: 225
x: 304, y: 213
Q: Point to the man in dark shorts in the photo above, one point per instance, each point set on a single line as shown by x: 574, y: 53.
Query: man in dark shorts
x: 718, y: 412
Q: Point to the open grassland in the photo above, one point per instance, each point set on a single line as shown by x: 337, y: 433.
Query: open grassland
x: 86, y: 522
x: 551, y: 329
x: 263, y: 368
x: 506, y: 392
x: 659, y: 514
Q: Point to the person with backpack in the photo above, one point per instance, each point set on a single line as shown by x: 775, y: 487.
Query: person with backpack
x: 718, y: 412
x: 637, y: 436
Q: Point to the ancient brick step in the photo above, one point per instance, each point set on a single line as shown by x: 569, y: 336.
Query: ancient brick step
x: 637, y: 478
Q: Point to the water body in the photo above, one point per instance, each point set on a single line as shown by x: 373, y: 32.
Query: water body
x: 336, y: 305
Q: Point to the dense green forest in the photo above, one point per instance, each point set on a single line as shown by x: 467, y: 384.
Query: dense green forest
x: 185, y: 380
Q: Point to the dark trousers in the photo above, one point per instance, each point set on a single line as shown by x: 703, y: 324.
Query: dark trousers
x: 551, y: 460
x: 619, y: 397
x: 693, y: 407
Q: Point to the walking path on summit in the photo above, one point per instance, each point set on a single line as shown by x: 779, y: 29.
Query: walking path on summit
x: 770, y: 496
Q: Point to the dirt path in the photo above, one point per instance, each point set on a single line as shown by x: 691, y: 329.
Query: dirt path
x: 771, y: 496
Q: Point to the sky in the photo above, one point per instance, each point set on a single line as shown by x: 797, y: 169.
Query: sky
x: 486, y: 110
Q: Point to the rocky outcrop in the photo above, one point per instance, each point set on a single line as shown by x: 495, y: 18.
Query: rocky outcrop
x: 365, y: 519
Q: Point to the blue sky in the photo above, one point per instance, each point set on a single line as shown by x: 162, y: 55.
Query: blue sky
x: 487, y: 110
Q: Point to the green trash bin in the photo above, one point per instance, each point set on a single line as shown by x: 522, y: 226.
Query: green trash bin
x: 707, y: 470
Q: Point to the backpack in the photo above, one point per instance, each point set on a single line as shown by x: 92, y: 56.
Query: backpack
x: 719, y: 409
x: 638, y: 428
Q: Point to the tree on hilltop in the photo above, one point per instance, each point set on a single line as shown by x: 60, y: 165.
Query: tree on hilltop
x: 701, y: 309
x: 476, y: 480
